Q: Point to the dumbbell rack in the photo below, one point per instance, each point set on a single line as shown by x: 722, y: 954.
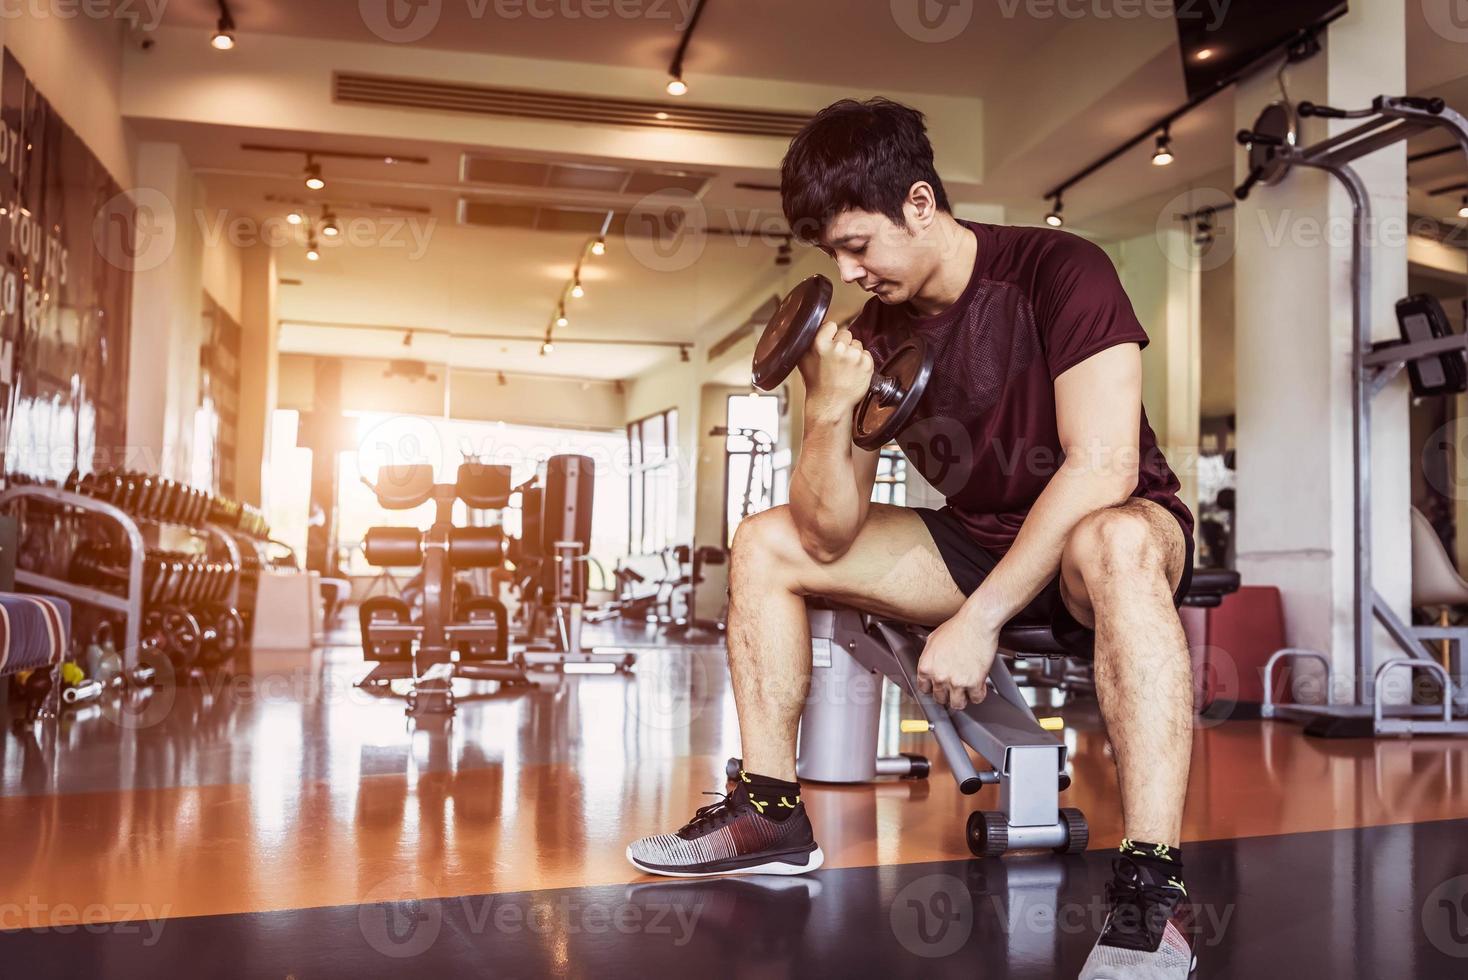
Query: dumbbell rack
x: 130, y: 604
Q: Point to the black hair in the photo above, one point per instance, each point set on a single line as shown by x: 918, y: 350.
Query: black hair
x: 862, y: 156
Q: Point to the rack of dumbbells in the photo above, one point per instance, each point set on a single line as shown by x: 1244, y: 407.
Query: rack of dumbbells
x: 146, y: 553
x: 250, y: 534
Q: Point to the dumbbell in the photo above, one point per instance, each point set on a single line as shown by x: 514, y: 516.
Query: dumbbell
x: 897, y: 386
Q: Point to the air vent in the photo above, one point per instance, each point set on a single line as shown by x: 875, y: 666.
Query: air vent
x: 494, y: 214
x: 764, y: 227
x: 411, y: 93
x: 506, y: 172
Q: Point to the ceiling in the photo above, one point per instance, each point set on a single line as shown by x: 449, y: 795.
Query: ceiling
x: 860, y: 44
x: 447, y: 280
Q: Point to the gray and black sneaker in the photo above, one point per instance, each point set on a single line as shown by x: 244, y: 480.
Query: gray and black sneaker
x: 731, y: 837
x: 1148, y: 933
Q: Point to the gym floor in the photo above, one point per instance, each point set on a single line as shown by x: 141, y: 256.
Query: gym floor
x: 283, y: 824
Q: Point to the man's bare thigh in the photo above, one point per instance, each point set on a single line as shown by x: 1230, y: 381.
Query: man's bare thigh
x: 893, y: 568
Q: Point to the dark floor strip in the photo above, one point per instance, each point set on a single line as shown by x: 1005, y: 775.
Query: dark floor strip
x: 1370, y: 903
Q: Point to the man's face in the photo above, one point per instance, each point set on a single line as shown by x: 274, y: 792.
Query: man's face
x: 881, y: 257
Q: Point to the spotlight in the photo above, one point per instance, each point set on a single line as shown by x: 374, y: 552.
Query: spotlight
x: 1463, y: 211
x: 1162, y: 156
x: 1204, y: 54
x: 676, y: 86
x: 547, y: 347
x: 313, y: 175
x: 599, y: 247
x: 1053, y: 219
x: 561, y: 320
x: 223, y: 39
x: 294, y: 218
x: 329, y: 227
x: 313, y: 253
x: 576, y: 291
x: 661, y: 116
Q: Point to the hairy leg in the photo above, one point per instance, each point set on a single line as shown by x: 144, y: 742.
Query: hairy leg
x: 1118, y: 573
x: 892, y: 568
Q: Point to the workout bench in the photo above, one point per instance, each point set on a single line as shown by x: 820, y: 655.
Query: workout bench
x: 852, y: 651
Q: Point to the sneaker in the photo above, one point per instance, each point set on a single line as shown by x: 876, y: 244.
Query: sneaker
x: 1146, y: 935
x: 731, y: 837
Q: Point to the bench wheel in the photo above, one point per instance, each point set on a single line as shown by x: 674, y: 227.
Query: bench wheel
x: 988, y: 833
x: 1077, y: 834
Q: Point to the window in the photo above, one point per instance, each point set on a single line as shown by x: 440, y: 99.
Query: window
x: 749, y: 470
x: 652, y: 445
x: 891, y: 484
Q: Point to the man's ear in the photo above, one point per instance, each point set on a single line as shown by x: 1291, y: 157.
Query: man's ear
x: 921, y: 205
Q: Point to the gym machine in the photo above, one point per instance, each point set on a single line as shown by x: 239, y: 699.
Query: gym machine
x: 552, y: 550
x: 1428, y: 347
x: 467, y: 638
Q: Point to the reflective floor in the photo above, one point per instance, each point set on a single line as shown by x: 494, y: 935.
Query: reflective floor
x: 208, y: 816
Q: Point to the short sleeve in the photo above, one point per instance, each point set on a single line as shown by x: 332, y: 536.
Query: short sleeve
x: 1081, y: 308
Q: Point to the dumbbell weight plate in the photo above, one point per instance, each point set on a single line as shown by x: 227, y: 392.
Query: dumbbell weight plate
x: 791, y: 331
x: 897, y: 388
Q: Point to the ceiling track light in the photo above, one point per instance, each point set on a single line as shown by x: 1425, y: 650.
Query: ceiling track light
x: 1162, y: 155
x: 599, y: 247
x: 329, y: 227
x: 1053, y: 219
x: 313, y: 250
x: 294, y: 217
x: 561, y: 320
x: 313, y: 174
x: 223, y: 37
x: 1463, y: 211
x: 676, y: 85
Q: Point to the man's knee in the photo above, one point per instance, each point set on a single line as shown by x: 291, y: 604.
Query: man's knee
x: 1112, y: 543
x: 761, y: 547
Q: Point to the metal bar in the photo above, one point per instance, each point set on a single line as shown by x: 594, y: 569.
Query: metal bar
x: 1399, y: 630
x: 1399, y: 353
x: 1343, y: 153
x: 1380, y: 379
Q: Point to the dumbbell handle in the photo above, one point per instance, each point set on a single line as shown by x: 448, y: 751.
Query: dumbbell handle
x: 886, y: 389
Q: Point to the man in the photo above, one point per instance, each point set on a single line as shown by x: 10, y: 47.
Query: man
x: 1059, y: 507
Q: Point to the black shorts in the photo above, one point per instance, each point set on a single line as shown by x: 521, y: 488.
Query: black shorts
x: 969, y: 562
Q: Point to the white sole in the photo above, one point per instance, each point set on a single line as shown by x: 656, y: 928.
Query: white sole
x: 813, y: 861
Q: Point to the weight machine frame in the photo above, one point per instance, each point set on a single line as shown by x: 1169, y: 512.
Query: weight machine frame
x: 1373, y: 367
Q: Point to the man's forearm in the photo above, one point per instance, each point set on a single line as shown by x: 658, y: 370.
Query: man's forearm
x: 1034, y: 558
x: 823, y: 490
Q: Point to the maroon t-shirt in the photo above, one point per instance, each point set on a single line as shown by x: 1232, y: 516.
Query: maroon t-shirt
x: 1039, y: 301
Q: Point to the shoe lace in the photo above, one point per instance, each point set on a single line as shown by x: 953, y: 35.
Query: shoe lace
x: 1139, y: 909
x: 716, y: 814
